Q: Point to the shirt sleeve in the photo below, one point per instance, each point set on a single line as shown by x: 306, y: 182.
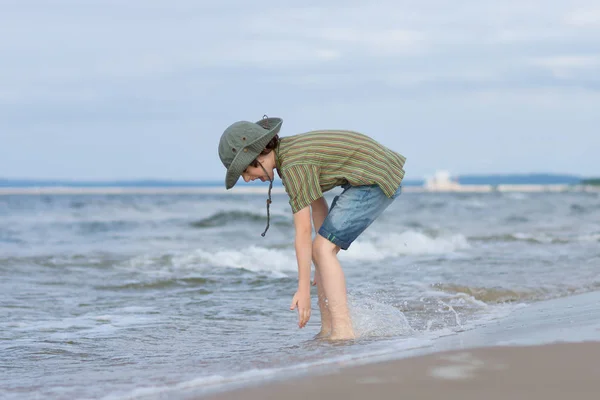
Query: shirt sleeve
x: 302, y: 185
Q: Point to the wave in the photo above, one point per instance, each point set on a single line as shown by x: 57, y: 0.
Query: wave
x: 516, y: 219
x: 593, y: 237
x: 494, y: 295
x: 515, y: 195
x: 161, y: 284
x: 498, y: 295
x: 474, y: 204
x: 406, y: 243
x: 92, y: 260
x: 534, y: 238
x: 93, y: 227
x: 280, y: 262
x: 237, y: 217
x: 256, y: 259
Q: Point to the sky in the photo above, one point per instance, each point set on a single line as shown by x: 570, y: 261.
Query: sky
x: 139, y: 89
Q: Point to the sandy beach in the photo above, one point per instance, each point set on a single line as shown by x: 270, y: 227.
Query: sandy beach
x: 555, y: 371
x: 545, y: 351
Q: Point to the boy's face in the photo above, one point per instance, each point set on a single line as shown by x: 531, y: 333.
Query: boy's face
x: 251, y: 173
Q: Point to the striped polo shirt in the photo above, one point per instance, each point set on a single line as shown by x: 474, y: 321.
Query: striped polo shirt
x: 312, y: 163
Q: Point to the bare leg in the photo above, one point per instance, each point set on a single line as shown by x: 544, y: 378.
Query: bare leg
x: 334, y: 284
x: 325, y: 315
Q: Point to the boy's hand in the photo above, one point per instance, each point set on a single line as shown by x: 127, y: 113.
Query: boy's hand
x: 302, y: 301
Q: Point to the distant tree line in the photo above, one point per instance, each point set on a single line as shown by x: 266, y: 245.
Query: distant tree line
x: 593, y: 181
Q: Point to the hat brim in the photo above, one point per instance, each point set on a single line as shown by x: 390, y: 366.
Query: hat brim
x: 246, y: 155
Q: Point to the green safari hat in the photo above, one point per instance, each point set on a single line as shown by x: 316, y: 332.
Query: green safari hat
x: 242, y: 142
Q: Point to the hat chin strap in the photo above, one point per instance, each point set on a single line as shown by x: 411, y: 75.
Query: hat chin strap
x: 268, y: 200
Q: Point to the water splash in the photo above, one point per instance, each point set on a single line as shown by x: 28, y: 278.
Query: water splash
x: 373, y: 318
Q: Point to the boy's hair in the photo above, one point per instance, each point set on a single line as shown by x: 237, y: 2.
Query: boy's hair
x: 268, y: 148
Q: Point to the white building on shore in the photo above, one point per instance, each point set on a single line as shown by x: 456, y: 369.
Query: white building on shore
x: 442, y: 181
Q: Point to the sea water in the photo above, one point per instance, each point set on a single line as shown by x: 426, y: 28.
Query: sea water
x: 172, y: 295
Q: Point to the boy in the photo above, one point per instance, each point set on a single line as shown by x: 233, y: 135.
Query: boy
x: 310, y: 164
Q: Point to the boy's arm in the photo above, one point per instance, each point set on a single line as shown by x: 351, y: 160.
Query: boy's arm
x: 303, y: 245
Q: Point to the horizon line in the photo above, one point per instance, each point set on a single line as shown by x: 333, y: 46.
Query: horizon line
x: 213, y: 180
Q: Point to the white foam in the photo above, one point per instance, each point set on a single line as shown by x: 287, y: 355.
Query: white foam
x: 595, y: 237
x: 541, y: 238
x: 406, y: 243
x: 476, y: 204
x: 282, y: 262
x: 516, y: 196
x: 253, y: 258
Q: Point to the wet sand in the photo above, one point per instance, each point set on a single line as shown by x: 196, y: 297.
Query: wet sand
x: 547, y: 350
x: 557, y: 371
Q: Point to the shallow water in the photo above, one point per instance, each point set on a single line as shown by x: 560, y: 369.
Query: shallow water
x: 145, y: 296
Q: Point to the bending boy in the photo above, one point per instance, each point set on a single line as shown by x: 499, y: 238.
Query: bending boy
x: 309, y: 164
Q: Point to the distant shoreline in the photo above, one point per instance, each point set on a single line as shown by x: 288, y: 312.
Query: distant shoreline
x: 123, y: 190
x: 440, y: 182
x: 466, y: 180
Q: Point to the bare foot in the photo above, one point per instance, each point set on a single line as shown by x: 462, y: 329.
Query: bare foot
x: 322, y: 335
x: 346, y: 335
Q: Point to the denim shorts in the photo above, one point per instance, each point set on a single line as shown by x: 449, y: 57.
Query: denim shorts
x: 352, y: 212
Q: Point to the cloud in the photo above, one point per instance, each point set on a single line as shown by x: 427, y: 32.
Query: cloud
x: 114, y: 69
x: 567, y: 67
x: 587, y: 17
x: 569, y: 61
x: 147, y: 40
